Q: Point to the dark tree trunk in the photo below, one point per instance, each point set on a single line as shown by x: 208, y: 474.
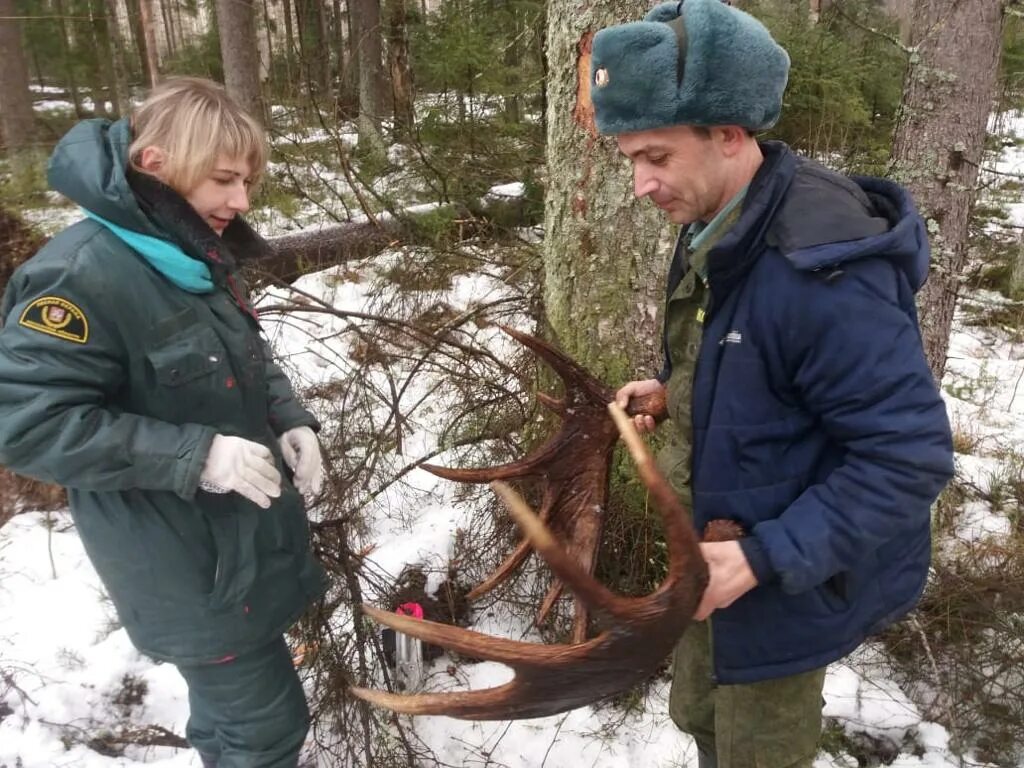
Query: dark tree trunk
x: 398, y: 66
x: 117, y: 56
x: 146, y: 24
x: 289, y: 43
x: 513, y: 59
x: 236, y: 22
x: 165, y: 15
x: 137, y: 23
x: 940, y: 136
x: 103, y: 40
x: 350, y: 80
x: 16, y: 117
x: 312, y: 42
x: 346, y: 99
x: 69, y: 66
x: 270, y: 39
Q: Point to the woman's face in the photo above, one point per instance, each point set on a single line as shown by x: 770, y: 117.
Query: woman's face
x: 219, y: 197
x: 223, y: 194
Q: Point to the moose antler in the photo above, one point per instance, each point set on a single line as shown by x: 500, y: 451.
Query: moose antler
x: 574, y: 465
x: 639, y: 633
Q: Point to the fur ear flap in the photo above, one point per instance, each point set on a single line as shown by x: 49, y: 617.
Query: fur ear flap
x: 733, y: 72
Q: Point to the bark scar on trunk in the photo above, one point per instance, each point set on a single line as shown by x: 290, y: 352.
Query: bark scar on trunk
x: 584, y: 112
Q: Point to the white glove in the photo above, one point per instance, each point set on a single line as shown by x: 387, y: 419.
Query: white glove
x: 301, y: 451
x: 242, y: 466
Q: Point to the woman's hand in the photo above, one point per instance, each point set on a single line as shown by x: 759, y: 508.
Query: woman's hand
x: 301, y: 450
x: 243, y: 466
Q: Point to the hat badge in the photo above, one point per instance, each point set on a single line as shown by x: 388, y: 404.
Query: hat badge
x: 601, y: 77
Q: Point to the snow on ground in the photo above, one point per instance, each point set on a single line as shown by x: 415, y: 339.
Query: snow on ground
x: 65, y: 660
x: 67, y: 669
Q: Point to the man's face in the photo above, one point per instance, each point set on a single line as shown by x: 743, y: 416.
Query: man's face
x: 679, y: 168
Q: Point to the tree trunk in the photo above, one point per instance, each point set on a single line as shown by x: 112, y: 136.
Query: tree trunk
x: 69, y: 66
x: 338, y: 39
x: 148, y: 40
x: 346, y: 100
x: 103, y: 40
x: 513, y: 64
x: 350, y: 83
x: 117, y: 59
x: 289, y: 43
x: 16, y: 117
x: 236, y: 21
x: 323, y: 57
x: 309, y: 14
x: 270, y: 40
x: 178, y: 26
x: 939, y: 140
x: 814, y: 10
x: 398, y: 66
x: 902, y: 11
x: 165, y: 15
x: 604, y: 262
x: 365, y: 19
x: 137, y: 37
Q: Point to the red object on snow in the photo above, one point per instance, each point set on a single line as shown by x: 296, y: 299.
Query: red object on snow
x: 410, y: 609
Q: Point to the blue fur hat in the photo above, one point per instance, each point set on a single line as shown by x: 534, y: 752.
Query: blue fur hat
x: 695, y: 62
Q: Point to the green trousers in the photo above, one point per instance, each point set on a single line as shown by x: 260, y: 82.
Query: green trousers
x: 249, y: 712
x: 771, y: 724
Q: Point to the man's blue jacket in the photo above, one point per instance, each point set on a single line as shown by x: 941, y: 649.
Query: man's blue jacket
x: 817, y: 423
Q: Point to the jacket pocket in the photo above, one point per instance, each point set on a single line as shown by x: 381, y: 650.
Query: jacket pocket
x: 835, y: 592
x: 188, y: 357
x: 234, y: 538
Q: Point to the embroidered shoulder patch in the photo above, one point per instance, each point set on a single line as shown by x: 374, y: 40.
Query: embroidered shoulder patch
x: 56, y: 317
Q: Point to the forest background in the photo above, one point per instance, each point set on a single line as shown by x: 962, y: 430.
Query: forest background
x: 455, y: 134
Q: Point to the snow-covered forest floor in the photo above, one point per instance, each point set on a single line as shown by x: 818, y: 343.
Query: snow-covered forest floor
x: 73, y: 690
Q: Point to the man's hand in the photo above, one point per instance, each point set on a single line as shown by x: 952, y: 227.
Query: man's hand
x: 240, y: 465
x: 301, y: 451
x: 639, y: 389
x: 731, y: 577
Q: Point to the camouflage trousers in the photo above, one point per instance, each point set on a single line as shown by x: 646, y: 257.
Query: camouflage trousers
x: 770, y: 724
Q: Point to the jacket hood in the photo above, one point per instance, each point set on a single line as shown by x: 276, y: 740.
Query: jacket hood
x: 89, y: 165
x: 819, y: 219
x: 836, y: 220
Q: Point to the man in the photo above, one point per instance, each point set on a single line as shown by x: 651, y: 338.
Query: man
x: 800, y: 402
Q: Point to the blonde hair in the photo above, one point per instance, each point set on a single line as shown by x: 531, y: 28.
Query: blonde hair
x: 195, y: 122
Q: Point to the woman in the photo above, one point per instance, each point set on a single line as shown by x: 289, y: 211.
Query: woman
x: 133, y: 373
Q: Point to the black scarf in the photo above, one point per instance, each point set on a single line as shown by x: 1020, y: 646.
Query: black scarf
x: 175, y: 216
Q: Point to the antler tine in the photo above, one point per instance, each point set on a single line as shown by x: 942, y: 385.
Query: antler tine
x: 555, y: 678
x: 590, y: 591
x: 568, y: 370
x: 678, y: 531
x: 503, y: 571
x: 573, y: 466
x: 531, y: 465
x: 514, y: 653
x: 515, y: 559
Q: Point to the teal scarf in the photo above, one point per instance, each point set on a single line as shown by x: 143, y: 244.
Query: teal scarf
x: 165, y: 257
